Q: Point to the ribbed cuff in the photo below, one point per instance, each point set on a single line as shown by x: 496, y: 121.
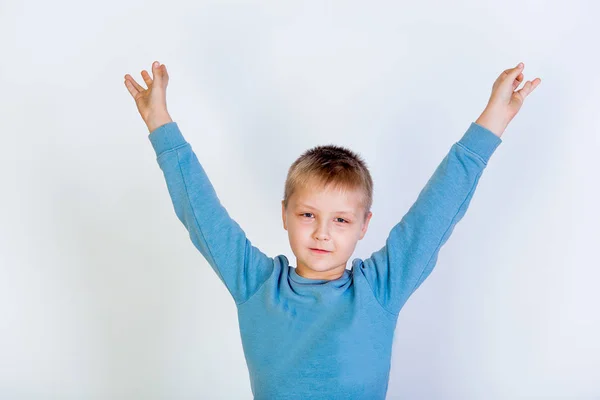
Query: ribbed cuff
x: 480, y: 140
x: 166, y: 137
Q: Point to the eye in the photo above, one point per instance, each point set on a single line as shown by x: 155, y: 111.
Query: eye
x: 343, y: 221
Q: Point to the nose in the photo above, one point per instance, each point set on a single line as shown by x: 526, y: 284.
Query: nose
x: 322, y: 232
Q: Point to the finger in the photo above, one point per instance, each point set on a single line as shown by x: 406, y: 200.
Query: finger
x: 520, y: 77
x: 136, y: 85
x: 511, y: 74
x: 131, y: 88
x: 156, y: 70
x: 528, y: 87
x: 524, y: 91
x: 517, y: 81
x: 147, y: 78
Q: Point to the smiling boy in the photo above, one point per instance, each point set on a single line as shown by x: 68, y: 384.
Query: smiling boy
x: 326, y: 209
x: 320, y: 331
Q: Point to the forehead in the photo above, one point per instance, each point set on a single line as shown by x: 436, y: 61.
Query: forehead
x: 328, y: 200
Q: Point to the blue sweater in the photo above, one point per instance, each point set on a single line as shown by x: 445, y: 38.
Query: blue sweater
x: 320, y: 339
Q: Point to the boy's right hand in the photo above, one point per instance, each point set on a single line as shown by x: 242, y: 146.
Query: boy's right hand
x: 151, y: 102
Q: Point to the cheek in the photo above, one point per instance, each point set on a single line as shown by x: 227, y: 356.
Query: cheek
x: 297, y: 231
x: 302, y: 234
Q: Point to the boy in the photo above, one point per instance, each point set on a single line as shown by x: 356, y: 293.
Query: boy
x: 319, y: 331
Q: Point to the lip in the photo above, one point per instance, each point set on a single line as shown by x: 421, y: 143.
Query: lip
x: 320, y: 251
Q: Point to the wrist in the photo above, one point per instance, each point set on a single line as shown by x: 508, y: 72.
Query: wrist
x: 154, y: 122
x: 493, y: 124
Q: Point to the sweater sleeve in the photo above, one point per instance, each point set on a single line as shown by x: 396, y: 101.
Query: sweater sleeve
x: 239, y: 265
x: 411, y: 249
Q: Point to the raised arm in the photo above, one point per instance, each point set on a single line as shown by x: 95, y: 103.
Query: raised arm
x: 241, y: 266
x: 411, y: 249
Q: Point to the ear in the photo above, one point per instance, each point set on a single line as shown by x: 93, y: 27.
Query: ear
x: 283, y: 216
x: 363, y: 231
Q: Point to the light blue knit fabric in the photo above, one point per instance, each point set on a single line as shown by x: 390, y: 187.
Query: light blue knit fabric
x: 318, y: 339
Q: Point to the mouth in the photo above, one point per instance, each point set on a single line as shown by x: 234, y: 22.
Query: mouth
x: 317, y: 251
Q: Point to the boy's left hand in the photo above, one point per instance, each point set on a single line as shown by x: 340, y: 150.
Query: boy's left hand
x: 505, y: 102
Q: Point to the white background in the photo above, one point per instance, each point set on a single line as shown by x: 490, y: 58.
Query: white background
x: 104, y: 296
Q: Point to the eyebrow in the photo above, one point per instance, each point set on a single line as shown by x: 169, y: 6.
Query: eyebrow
x: 312, y: 208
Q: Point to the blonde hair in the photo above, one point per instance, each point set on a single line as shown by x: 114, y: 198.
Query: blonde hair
x: 330, y: 166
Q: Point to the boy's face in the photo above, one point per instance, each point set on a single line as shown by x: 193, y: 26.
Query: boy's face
x: 314, y: 219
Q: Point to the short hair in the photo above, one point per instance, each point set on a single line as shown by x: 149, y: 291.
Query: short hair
x: 331, y: 166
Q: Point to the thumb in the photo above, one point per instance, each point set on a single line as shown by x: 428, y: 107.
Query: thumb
x: 156, y: 71
x: 513, y: 73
